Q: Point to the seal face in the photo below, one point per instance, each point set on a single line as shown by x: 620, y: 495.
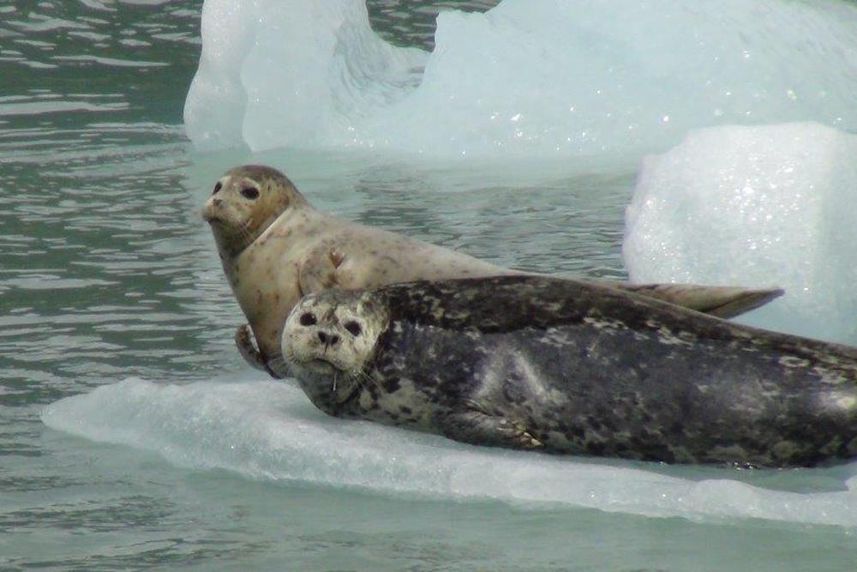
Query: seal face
x: 565, y: 367
x: 275, y: 248
x: 331, y: 343
x: 244, y: 203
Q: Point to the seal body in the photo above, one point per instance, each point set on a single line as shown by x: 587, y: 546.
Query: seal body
x: 275, y: 248
x: 577, y: 368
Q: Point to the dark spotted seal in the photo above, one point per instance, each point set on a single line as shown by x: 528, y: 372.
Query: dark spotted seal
x: 275, y: 247
x: 570, y: 367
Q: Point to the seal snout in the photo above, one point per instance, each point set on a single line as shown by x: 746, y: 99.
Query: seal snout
x: 214, y: 204
x: 211, y: 209
x: 327, y: 338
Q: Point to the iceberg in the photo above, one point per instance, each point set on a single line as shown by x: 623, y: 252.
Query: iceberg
x: 297, y: 73
x: 554, y: 78
x: 269, y: 431
x: 756, y: 206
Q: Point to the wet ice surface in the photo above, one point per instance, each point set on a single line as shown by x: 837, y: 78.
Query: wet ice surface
x: 267, y: 430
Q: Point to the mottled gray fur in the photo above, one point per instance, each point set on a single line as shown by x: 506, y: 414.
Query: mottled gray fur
x: 540, y: 363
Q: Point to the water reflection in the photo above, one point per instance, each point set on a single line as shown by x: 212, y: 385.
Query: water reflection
x: 409, y: 23
x: 98, y: 57
x: 565, y: 225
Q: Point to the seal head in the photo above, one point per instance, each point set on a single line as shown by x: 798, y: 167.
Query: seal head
x: 330, y: 340
x: 244, y: 203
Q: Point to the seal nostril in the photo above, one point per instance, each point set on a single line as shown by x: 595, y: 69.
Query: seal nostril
x: 217, y: 202
x: 328, y: 339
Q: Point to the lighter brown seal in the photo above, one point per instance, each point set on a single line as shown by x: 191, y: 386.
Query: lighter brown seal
x: 276, y: 248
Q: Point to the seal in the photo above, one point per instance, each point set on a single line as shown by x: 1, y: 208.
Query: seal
x: 275, y: 248
x: 568, y: 367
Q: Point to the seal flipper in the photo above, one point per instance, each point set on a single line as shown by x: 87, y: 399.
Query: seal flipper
x: 277, y: 367
x: 246, y: 347
x: 720, y: 301
x: 318, y: 270
x: 478, y: 428
x: 244, y: 342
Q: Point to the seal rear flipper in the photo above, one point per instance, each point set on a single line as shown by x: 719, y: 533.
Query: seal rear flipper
x: 719, y: 301
x: 478, y: 428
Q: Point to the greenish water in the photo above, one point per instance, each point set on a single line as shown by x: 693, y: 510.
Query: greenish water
x: 109, y: 279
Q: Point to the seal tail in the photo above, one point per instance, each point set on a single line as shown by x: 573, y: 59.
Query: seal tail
x: 719, y: 301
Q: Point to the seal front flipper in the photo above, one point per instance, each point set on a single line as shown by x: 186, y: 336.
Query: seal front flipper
x: 479, y: 428
x: 318, y: 269
x: 276, y: 367
x: 246, y: 347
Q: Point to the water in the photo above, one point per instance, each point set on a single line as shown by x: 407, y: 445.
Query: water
x: 132, y: 436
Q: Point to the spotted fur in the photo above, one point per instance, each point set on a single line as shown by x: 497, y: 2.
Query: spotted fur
x: 538, y: 363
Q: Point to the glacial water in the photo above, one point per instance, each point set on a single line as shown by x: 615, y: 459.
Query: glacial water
x: 132, y: 435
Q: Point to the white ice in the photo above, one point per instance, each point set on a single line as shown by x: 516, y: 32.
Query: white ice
x: 756, y: 206
x: 553, y: 78
x: 268, y: 430
x: 296, y: 73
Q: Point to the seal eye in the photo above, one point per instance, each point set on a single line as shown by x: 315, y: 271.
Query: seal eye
x: 308, y: 319
x: 251, y: 193
x: 354, y: 328
x: 217, y: 188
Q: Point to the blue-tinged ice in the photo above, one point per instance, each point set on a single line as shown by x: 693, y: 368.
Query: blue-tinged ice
x: 269, y: 431
x: 296, y: 73
x: 554, y: 78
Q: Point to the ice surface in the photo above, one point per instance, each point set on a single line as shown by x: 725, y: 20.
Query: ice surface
x: 268, y: 430
x: 549, y: 78
x: 758, y: 206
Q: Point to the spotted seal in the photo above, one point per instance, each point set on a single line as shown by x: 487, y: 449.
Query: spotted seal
x: 275, y: 247
x: 531, y: 362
